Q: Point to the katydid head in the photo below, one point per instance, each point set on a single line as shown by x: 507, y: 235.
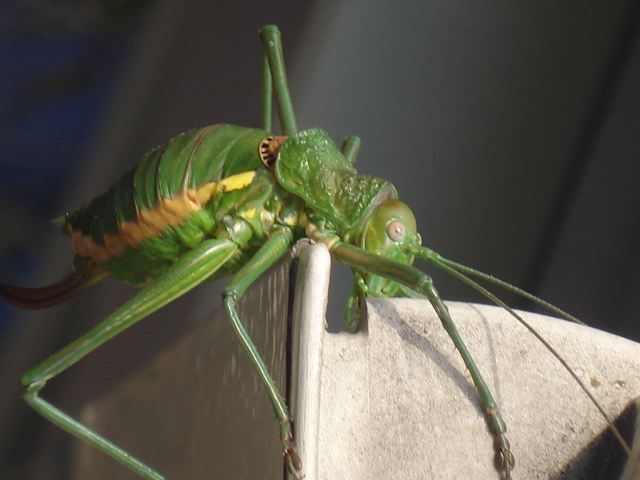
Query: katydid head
x: 388, y: 231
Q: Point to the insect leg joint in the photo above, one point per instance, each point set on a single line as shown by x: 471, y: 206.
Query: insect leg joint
x: 235, y: 229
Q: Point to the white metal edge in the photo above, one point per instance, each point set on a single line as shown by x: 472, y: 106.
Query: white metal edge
x: 309, y: 323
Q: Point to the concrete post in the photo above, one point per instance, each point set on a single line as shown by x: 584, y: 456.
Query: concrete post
x: 395, y: 400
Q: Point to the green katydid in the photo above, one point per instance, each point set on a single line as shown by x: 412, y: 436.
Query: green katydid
x: 227, y: 200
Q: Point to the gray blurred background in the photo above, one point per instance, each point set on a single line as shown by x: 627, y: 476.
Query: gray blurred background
x: 510, y: 127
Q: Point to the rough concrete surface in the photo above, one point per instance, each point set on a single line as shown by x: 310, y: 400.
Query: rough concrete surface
x: 395, y: 401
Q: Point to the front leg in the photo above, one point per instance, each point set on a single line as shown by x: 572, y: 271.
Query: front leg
x: 422, y: 284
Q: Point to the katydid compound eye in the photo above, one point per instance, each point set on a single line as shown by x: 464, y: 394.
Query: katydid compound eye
x: 396, y: 231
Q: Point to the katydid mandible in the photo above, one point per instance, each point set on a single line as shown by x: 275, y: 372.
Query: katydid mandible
x: 227, y: 200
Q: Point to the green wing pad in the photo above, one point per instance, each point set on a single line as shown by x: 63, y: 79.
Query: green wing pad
x: 311, y: 166
x: 243, y: 154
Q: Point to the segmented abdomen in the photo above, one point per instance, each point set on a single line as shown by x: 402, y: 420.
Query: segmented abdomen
x: 170, y: 184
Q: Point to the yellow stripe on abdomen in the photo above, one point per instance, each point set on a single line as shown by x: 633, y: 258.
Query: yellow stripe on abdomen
x: 151, y: 223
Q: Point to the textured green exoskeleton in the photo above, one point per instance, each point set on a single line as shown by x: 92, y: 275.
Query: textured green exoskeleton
x: 227, y: 200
